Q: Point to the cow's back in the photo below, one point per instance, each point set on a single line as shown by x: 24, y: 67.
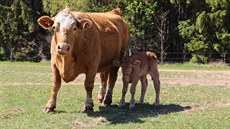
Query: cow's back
x: 147, y: 60
x: 114, y: 34
x: 113, y: 37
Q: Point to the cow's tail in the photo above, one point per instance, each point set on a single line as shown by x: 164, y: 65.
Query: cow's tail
x: 151, y: 54
x: 116, y: 11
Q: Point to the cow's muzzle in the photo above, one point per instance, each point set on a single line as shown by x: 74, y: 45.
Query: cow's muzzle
x: 62, y: 48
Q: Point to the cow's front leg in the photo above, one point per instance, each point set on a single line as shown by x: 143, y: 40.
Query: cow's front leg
x: 51, y: 105
x: 102, y: 90
x: 89, y: 84
x: 112, y: 80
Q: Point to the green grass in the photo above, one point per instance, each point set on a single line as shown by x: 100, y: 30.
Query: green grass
x: 25, y: 89
x: 188, y: 66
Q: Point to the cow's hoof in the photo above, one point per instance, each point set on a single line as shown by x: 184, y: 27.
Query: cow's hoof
x: 47, y: 110
x: 121, y: 104
x: 100, y: 98
x: 88, y: 109
x: 107, y: 104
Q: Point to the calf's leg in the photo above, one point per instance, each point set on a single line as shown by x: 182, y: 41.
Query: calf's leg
x: 132, y: 91
x: 112, y: 80
x: 102, y: 90
x: 144, y: 84
x: 156, y: 83
x: 51, y: 105
x: 124, y: 91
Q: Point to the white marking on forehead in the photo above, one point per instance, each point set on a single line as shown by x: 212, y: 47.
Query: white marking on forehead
x: 66, y: 19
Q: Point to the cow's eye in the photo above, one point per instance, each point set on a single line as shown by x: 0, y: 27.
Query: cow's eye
x: 74, y: 28
x: 53, y: 27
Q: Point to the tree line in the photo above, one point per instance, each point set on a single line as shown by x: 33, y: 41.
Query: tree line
x: 187, y: 30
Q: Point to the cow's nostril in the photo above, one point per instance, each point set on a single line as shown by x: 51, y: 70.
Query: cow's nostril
x: 58, y: 47
x: 67, y: 48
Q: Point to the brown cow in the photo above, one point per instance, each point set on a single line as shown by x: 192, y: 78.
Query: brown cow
x: 135, y: 68
x: 85, y: 43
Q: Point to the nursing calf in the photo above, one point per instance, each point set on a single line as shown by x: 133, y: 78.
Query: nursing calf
x: 135, y: 68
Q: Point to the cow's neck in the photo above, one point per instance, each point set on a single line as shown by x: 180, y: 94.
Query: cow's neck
x: 66, y: 67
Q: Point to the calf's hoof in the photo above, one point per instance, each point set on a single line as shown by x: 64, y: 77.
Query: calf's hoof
x: 131, y: 106
x: 121, y: 104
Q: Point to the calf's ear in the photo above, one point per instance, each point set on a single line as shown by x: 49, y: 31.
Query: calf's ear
x: 46, y: 22
x: 136, y: 62
x: 84, y: 24
x: 117, y: 63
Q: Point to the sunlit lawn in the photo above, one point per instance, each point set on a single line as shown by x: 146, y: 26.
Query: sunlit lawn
x: 25, y: 89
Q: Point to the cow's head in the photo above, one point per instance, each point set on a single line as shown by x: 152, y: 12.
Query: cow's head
x: 127, y: 67
x: 65, y: 26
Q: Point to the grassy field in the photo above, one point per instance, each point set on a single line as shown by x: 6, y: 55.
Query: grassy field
x: 192, y: 96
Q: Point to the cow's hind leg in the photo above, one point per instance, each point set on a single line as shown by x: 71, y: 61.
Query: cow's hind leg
x: 102, y: 90
x: 144, y: 84
x: 51, y: 105
x: 112, y: 80
x: 89, y: 84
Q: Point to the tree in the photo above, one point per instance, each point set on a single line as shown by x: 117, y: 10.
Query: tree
x: 18, y: 29
x: 208, y: 32
x: 196, y: 29
x: 143, y: 29
x: 219, y: 16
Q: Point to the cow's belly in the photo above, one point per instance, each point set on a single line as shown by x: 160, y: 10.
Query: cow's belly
x: 104, y: 68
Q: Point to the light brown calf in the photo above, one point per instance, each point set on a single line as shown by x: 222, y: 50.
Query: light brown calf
x: 135, y: 68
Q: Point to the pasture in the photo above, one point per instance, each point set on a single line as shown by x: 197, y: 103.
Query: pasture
x: 192, y: 96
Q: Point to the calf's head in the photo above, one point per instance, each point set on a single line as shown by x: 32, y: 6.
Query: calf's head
x: 127, y: 68
x: 65, y: 26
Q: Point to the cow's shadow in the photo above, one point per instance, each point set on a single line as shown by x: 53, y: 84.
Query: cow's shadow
x: 115, y: 114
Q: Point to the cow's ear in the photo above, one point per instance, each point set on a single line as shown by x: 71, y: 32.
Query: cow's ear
x: 84, y: 24
x: 117, y: 63
x: 136, y: 62
x: 46, y: 22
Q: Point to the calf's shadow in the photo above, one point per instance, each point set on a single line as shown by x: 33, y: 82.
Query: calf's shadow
x: 116, y: 115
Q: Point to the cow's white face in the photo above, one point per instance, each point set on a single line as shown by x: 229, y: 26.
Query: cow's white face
x: 65, y: 25
x: 64, y: 28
